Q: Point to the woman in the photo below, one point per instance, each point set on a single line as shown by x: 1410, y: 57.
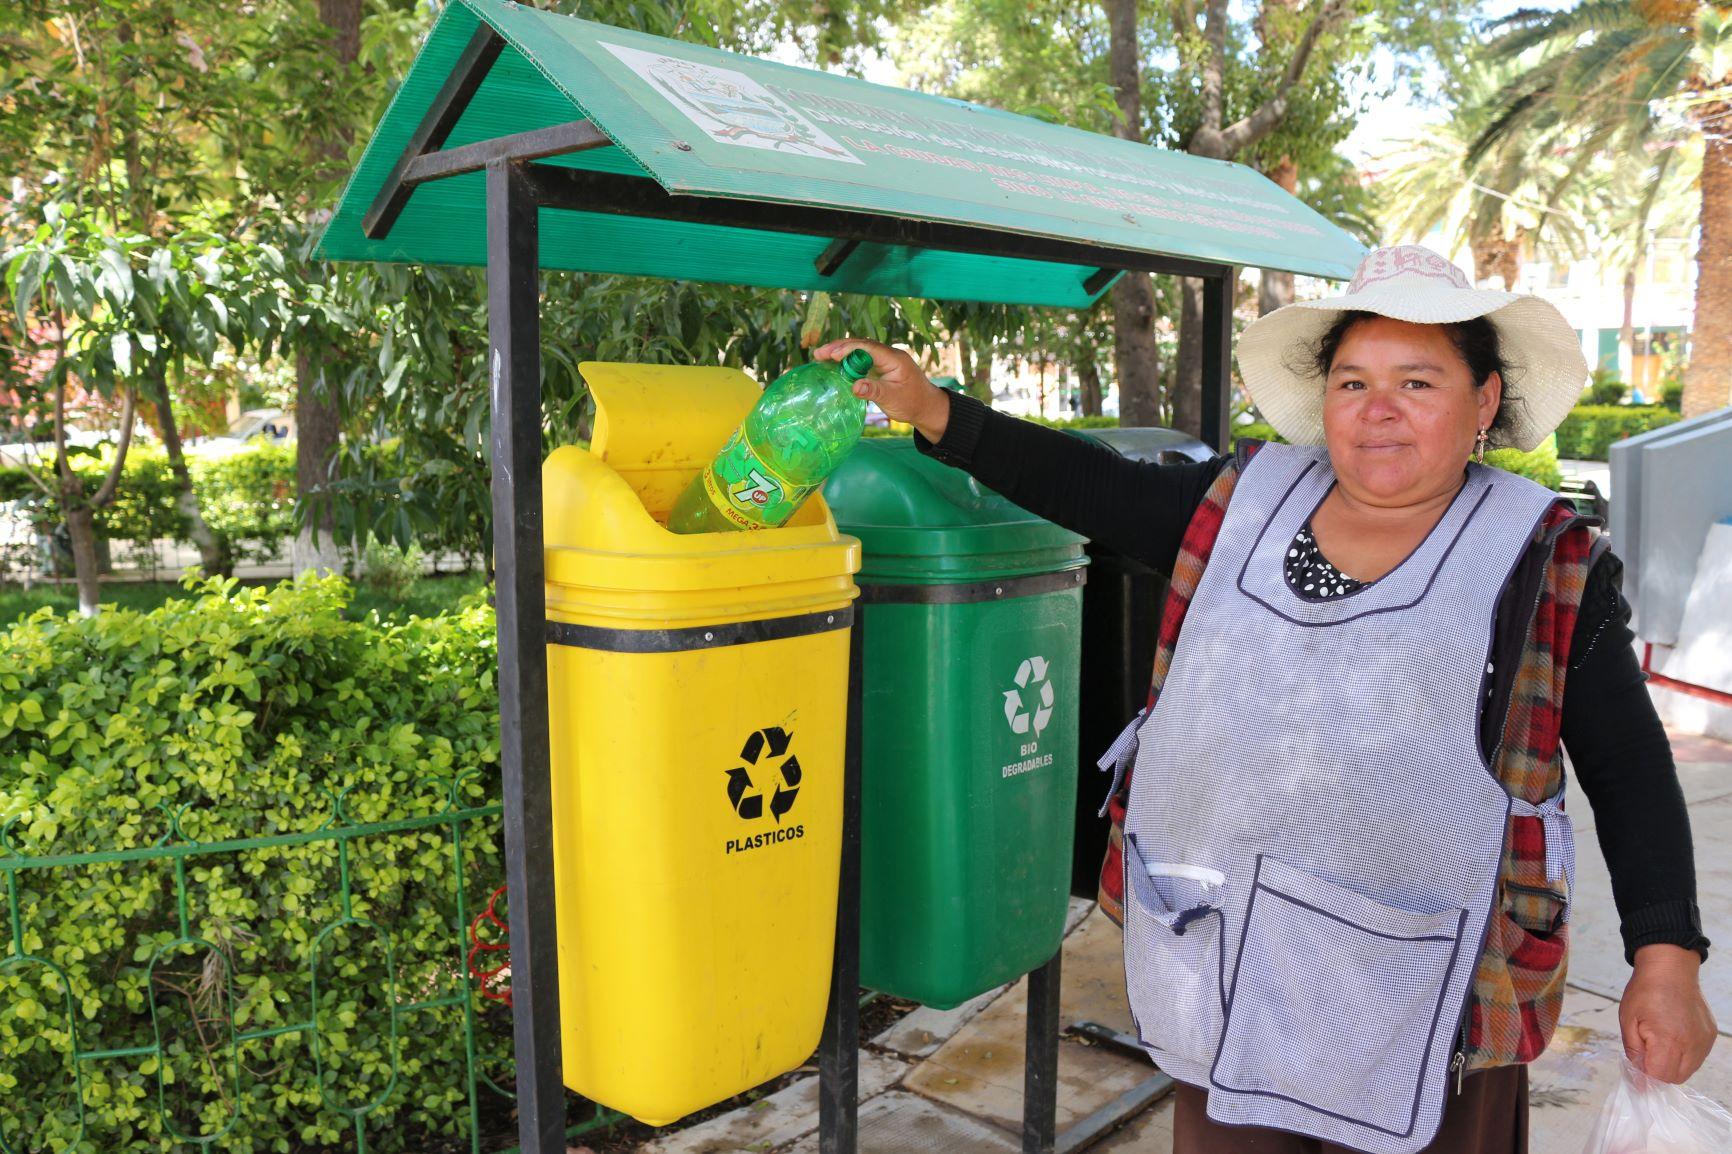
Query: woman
x: 1342, y: 860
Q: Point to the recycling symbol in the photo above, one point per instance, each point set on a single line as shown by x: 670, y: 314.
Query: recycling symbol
x: 766, y: 754
x: 1030, y: 678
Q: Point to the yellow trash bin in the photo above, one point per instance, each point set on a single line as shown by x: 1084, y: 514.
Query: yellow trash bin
x: 697, y: 692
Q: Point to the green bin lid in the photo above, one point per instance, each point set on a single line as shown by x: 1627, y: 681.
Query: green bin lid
x: 924, y: 522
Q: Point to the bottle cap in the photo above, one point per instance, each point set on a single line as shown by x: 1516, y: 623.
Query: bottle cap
x: 856, y: 364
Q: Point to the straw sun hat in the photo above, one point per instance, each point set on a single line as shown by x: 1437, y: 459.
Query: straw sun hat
x: 1411, y: 283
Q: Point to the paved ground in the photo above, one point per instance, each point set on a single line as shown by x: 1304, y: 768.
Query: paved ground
x: 952, y: 1081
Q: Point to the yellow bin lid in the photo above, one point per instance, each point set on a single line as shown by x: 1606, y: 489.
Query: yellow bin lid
x: 605, y: 508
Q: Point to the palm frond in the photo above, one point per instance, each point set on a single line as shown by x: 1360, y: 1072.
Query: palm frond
x: 1563, y: 27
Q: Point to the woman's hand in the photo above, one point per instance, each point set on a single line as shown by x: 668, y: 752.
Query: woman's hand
x: 1668, y: 1027
x: 897, y: 386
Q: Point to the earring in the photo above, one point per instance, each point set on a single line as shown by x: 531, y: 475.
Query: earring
x: 1479, y: 446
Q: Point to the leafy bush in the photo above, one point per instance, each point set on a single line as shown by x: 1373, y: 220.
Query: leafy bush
x: 1606, y: 387
x: 1672, y: 394
x: 390, y: 570
x: 1077, y: 422
x: 244, y: 713
x: 1541, y: 465
x: 1256, y: 431
x: 1590, y: 430
x: 248, y: 499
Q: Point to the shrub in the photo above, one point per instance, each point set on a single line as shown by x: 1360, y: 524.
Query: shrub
x: 1256, y: 431
x: 1606, y: 387
x: 244, y: 713
x: 1541, y: 465
x: 248, y: 499
x: 1672, y: 394
x: 1590, y: 430
x: 391, y: 570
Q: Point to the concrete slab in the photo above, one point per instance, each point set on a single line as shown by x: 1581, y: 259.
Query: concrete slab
x: 899, y: 1123
x: 783, y: 1117
x: 1150, y: 1132
x: 1568, y: 1084
x: 1597, y: 951
x: 980, y: 1069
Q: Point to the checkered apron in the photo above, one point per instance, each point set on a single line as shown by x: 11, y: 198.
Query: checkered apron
x: 1313, y: 839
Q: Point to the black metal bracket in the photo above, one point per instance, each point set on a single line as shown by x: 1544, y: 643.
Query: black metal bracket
x: 834, y: 254
x: 1218, y: 357
x: 622, y: 194
x: 447, y: 108
x: 1099, y: 279
x: 537, y: 144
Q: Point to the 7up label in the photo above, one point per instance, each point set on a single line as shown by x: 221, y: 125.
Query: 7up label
x: 747, y: 491
x: 1027, y: 710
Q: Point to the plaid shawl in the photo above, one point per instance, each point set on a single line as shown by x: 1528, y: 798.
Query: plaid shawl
x: 1519, y: 987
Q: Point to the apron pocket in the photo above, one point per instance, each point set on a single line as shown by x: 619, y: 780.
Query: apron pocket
x: 1337, y: 1001
x: 1173, y: 953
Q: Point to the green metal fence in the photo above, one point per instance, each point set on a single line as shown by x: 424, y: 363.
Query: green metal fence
x: 176, y: 853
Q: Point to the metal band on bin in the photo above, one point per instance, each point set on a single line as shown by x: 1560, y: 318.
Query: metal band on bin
x: 700, y: 636
x: 967, y: 592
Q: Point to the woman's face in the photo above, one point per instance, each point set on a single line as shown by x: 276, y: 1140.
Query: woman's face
x: 1401, y: 410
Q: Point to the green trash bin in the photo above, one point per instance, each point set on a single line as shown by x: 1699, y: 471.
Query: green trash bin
x: 972, y: 610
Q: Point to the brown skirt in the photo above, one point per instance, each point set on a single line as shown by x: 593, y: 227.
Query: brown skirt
x: 1490, y: 1116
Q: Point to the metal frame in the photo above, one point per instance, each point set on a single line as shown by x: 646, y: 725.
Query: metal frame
x: 517, y: 189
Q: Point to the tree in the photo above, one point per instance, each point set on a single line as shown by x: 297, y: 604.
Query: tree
x: 1286, y: 57
x: 1500, y: 202
x: 1135, y: 356
x: 1617, y: 75
x: 112, y: 120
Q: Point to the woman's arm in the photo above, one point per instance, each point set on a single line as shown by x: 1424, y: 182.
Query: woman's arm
x: 1624, y: 763
x: 1137, y: 508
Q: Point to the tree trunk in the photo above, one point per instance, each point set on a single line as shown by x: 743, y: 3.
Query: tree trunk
x: 1188, y: 390
x: 1088, y: 376
x: 316, y: 429
x: 317, y: 422
x: 1708, y: 376
x: 976, y: 375
x: 81, y: 524
x: 213, y: 552
x: 1136, y: 357
x: 1627, y: 330
x: 1274, y: 288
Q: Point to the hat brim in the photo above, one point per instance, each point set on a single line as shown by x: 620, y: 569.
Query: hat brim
x: 1543, y: 354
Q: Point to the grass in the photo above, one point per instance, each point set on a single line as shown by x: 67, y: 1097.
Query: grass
x: 424, y: 598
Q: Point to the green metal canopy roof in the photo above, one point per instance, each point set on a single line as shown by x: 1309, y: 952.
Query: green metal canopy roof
x: 707, y: 165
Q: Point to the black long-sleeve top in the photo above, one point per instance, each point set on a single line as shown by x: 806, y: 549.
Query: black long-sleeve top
x: 1617, y: 746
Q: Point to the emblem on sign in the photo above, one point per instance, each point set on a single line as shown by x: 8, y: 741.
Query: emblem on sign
x: 729, y: 106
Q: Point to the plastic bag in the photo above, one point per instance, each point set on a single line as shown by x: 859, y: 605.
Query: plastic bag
x: 1647, y: 1116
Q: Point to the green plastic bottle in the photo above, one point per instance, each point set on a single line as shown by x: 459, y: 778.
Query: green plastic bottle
x: 794, y: 437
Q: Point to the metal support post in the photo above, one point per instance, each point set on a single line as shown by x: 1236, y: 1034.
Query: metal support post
x: 1218, y: 357
x: 839, y: 1049
x: 514, y: 362
x: 1040, y: 1060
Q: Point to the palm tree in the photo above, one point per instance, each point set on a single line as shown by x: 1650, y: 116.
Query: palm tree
x: 1497, y: 199
x: 1614, y: 77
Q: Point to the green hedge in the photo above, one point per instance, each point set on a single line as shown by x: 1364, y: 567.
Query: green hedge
x: 1591, y: 430
x: 1541, y: 465
x: 246, y: 713
x: 248, y: 499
